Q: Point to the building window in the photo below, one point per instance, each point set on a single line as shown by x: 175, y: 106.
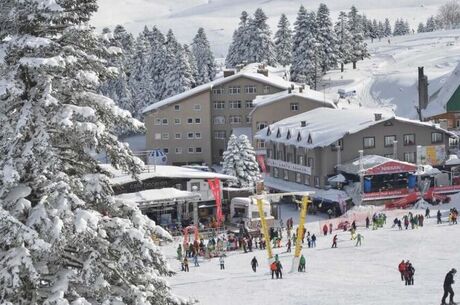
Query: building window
x: 165, y: 136
x: 235, y: 119
x: 218, y: 91
x: 158, y: 136
x: 250, y: 89
x: 157, y: 121
x: 310, y: 162
x: 235, y: 104
x: 261, y: 125
x: 177, y: 121
x: 198, y: 150
x: 234, y: 90
x: 197, y: 121
x: 436, y: 137
x: 388, y: 140
x: 176, y: 107
x: 286, y: 174
x: 164, y: 121
x: 316, y: 181
x: 369, y: 142
x: 191, y: 150
x: 219, y: 120
x: 275, y: 172
x: 219, y: 105
x: 178, y: 136
x: 190, y: 135
x: 178, y: 150
x: 266, y: 89
x: 249, y: 104
x: 298, y: 177
x: 219, y: 134
x: 261, y: 144
x: 409, y: 139
x: 166, y: 151
x: 197, y: 107
x: 197, y: 135
x: 409, y: 157
x: 248, y: 119
x: 307, y: 179
x: 294, y: 106
x: 190, y: 121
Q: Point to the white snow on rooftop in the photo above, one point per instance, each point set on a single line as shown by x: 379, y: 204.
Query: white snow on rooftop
x: 324, y: 126
x: 166, y: 171
x: 272, y: 79
x: 169, y: 194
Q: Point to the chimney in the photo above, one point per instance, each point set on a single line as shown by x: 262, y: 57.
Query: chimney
x: 377, y: 116
x: 262, y: 70
x: 229, y: 72
x: 303, y: 123
x: 422, y: 92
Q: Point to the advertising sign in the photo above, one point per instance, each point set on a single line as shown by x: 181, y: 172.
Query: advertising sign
x: 289, y: 166
x: 433, y: 155
x: 391, y: 167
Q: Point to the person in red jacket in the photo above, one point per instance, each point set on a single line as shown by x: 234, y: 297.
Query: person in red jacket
x: 325, y: 229
x: 402, y: 269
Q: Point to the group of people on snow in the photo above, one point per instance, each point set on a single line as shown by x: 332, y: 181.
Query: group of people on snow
x: 407, y: 272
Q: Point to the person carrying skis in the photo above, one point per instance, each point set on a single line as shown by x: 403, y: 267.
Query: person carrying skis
x: 254, y: 264
x: 359, y: 238
x: 448, y: 281
x: 222, y: 262
x: 334, y: 241
x: 302, y: 264
x: 402, y: 269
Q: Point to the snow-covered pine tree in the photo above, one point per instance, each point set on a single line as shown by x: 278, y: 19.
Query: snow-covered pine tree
x: 374, y: 29
x: 238, y: 49
x: 240, y: 161
x: 359, y: 47
x: 380, y: 30
x: 178, y: 75
x: 365, y: 26
x: 302, y: 53
x: 407, y: 29
x: 387, y: 28
x: 283, y: 42
x: 192, y: 63
x: 326, y: 38
x: 261, y: 48
x: 398, y: 28
x: 421, y: 28
x: 155, y: 67
x: 64, y: 239
x: 430, y: 24
x: 344, y: 37
x: 205, y: 61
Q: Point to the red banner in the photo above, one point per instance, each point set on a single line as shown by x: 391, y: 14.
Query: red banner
x: 261, y: 161
x: 214, y: 185
x: 391, y: 167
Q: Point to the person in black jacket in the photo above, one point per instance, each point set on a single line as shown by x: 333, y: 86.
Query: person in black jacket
x: 448, y: 281
x: 254, y: 264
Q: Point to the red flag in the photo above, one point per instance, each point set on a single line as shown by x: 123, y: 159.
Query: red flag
x: 214, y: 185
x: 261, y: 161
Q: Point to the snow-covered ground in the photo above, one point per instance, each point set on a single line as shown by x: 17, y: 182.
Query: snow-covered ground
x: 389, y: 77
x: 346, y: 275
x: 220, y: 17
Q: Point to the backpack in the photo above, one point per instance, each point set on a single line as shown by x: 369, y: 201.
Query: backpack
x: 273, y: 266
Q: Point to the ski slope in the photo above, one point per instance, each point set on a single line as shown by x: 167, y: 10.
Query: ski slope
x: 389, y: 77
x: 347, y: 275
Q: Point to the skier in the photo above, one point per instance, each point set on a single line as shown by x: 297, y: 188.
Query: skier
x: 399, y: 224
x: 334, y: 241
x: 302, y: 264
x: 438, y: 215
x: 273, y: 268
x: 313, y: 241
x: 359, y: 237
x: 279, y: 267
x: 222, y: 262
x: 448, y: 281
x: 186, y: 264
x: 254, y: 264
x: 402, y: 269
x: 195, y: 260
x: 288, y: 245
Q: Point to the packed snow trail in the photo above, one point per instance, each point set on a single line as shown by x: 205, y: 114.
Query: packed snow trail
x: 346, y: 275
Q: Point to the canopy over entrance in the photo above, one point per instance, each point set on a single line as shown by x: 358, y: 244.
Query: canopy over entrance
x: 377, y: 165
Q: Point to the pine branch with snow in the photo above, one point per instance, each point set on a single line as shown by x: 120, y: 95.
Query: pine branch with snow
x: 205, y: 61
x: 283, y: 42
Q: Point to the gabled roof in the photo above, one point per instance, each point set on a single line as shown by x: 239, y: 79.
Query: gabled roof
x: 272, y: 80
x: 325, y: 126
x: 307, y: 94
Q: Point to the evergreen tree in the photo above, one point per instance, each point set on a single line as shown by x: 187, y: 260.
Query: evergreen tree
x: 344, y: 38
x: 387, y: 31
x: 430, y: 25
x: 205, y: 61
x: 380, y: 30
x: 192, y: 63
x: 326, y: 39
x: 240, y: 161
x: 283, y: 41
x: 359, y: 47
x: 238, y: 49
x: 156, y: 65
x: 178, y: 74
x: 365, y: 26
x: 374, y: 29
x: 421, y: 28
x: 301, y: 54
x: 261, y: 48
x: 64, y: 239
